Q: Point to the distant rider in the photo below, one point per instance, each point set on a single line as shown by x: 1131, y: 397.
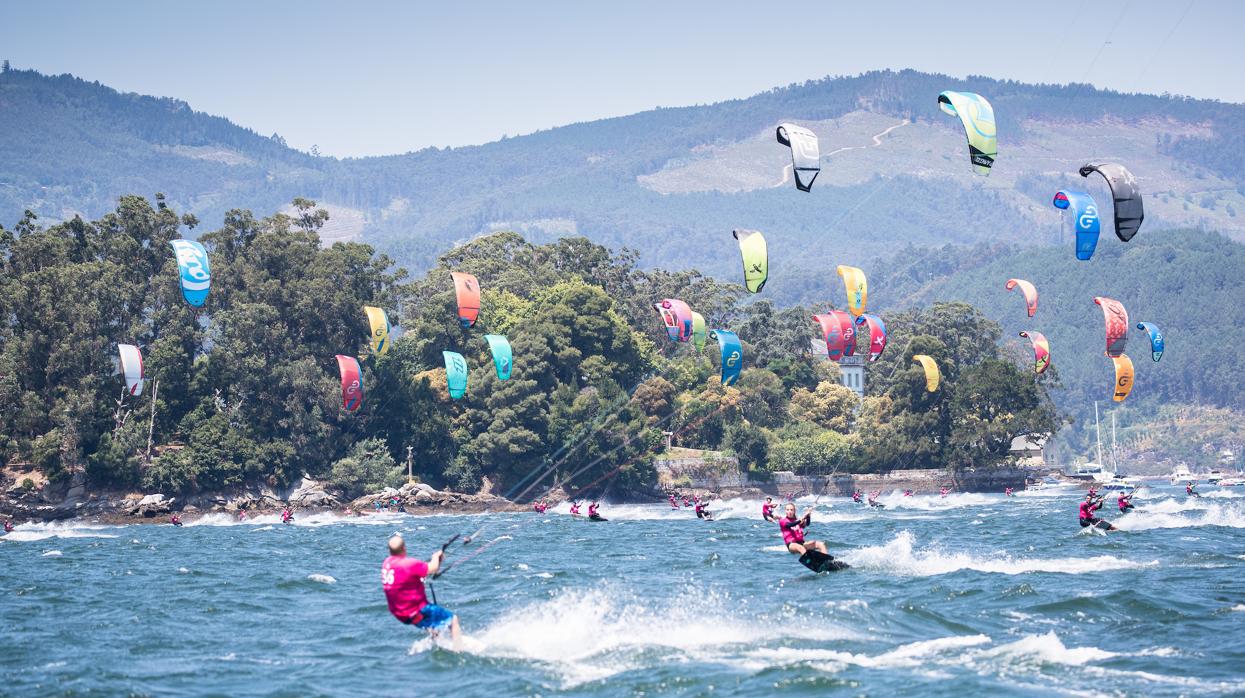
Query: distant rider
x: 175, y: 520
x: 594, y: 513
x: 858, y: 497
x: 287, y: 516
x: 8, y: 526
x: 574, y: 508
x: 767, y: 510
x: 1125, y: 502
x: 793, y: 532
x: 1092, y: 504
x: 403, y: 580
x: 1190, y: 489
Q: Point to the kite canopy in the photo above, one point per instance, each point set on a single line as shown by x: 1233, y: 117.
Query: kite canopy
x: 805, y: 154
x: 1117, y: 324
x: 503, y: 356
x: 1156, y: 339
x: 840, y: 335
x: 677, y: 317
x: 467, y: 290
x: 131, y: 368
x: 1084, y: 219
x: 755, y: 256
x: 1041, y: 351
x: 352, y: 382
x: 1029, y: 291
x: 192, y: 265
x: 877, y: 334
x: 732, y: 355
x: 380, y: 329
x: 1123, y: 377
x: 455, y: 373
x: 698, y: 331
x: 978, y: 118
x: 1129, y: 211
x: 932, y: 375
x: 857, y: 288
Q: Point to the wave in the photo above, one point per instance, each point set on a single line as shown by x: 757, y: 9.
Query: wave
x: 42, y: 531
x: 913, y: 654
x: 895, y: 499
x: 1045, y: 649
x: 1191, y: 517
x: 589, y: 635
x: 322, y: 578
x: 322, y: 518
x: 899, y: 556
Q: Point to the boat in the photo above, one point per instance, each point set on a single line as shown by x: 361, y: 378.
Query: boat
x: 1119, y: 484
x: 1232, y: 482
x: 1090, y: 471
x: 1181, y: 475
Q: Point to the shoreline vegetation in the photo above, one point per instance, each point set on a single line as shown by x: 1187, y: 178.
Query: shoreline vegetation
x: 244, y: 396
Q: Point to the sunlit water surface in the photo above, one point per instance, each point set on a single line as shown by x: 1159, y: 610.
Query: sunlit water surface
x: 965, y: 595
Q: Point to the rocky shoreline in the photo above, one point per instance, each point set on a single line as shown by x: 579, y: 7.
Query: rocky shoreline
x: 51, y: 503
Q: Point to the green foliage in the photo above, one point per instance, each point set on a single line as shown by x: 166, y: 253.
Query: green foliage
x: 248, y: 388
x: 367, y: 468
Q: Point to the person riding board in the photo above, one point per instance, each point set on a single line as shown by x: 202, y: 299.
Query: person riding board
x: 1092, y: 504
x: 575, y: 509
x: 873, y: 499
x: 702, y: 511
x: 175, y: 520
x: 858, y: 497
x: 242, y: 514
x: 1190, y: 489
x: 907, y: 493
x: 767, y: 510
x: 8, y: 526
x: 944, y: 491
x: 793, y: 532
x: 594, y: 513
x: 1007, y: 492
x: 287, y: 516
x: 674, y: 504
x: 403, y: 580
x: 1125, y: 502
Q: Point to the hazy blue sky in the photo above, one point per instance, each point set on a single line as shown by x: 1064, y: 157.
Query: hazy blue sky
x: 366, y: 78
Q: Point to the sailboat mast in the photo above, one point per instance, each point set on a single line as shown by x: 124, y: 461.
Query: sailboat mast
x: 1115, y: 464
x: 1098, y: 432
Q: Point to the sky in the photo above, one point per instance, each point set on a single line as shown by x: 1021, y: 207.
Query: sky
x: 375, y: 78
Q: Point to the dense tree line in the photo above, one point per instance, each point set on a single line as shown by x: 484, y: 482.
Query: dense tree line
x: 245, y: 389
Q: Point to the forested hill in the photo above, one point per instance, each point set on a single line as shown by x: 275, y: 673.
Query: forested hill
x: 670, y: 183
x: 1189, y: 283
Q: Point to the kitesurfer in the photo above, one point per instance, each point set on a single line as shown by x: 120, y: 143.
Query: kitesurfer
x: 873, y: 499
x: 687, y: 503
x: 1190, y: 489
x: 702, y: 511
x: 175, y: 520
x: 767, y: 510
x: 574, y: 508
x: 242, y: 515
x: 793, y: 532
x: 8, y: 526
x: 1007, y: 492
x: 943, y: 492
x: 907, y: 493
x: 674, y: 504
x: 403, y: 580
x: 594, y: 513
x: 287, y: 516
x: 1125, y: 502
x: 858, y: 497
x: 1092, y: 504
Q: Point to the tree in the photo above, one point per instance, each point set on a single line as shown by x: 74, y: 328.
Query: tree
x: 367, y: 468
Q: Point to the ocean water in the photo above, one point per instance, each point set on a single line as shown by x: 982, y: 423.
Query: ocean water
x: 965, y: 595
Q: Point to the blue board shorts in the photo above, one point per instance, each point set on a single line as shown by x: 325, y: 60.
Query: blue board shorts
x: 434, y: 617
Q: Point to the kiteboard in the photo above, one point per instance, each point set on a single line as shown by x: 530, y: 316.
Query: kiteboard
x: 597, y: 518
x: 821, y: 562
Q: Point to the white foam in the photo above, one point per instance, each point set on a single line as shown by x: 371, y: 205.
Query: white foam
x: 590, y: 635
x: 1211, y: 515
x: 1239, y: 608
x: 1046, y: 649
x: 896, y: 500
x: 52, y: 553
x: 42, y: 531
x: 913, y: 654
x: 899, y: 556
x: 322, y: 578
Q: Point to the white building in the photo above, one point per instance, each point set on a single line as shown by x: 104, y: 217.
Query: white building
x: 851, y: 368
